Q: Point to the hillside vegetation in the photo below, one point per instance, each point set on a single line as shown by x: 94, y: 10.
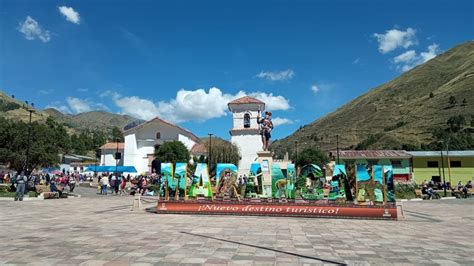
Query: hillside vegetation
x: 402, y: 113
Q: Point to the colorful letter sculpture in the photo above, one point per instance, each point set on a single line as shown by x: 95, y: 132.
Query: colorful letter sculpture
x: 313, y: 175
x: 226, y: 180
x: 180, y: 177
x: 389, y: 184
x: 379, y: 190
x: 337, y: 190
x: 363, y: 184
x: 201, y: 184
x: 279, y: 182
x: 255, y: 181
x: 167, y: 178
x: 291, y: 177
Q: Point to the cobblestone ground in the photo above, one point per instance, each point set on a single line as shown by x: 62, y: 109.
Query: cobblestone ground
x: 96, y: 230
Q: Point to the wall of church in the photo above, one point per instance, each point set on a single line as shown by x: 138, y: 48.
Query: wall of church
x: 248, y: 145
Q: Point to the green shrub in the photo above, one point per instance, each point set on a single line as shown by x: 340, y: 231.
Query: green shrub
x: 405, y: 190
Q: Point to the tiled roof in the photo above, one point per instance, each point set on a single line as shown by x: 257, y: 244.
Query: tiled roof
x: 371, y: 154
x: 191, y: 135
x: 246, y: 99
x: 112, y: 146
x: 199, y: 149
x: 438, y: 153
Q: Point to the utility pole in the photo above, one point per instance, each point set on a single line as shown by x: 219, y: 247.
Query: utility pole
x: 116, y: 159
x: 337, y: 147
x: 442, y: 166
x: 31, y: 111
x: 209, y: 153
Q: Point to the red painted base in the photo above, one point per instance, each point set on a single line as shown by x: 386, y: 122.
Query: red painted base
x: 388, y: 212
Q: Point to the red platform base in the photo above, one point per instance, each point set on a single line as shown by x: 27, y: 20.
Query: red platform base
x: 308, y: 210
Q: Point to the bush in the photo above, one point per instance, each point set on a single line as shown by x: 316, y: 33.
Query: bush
x: 405, y: 190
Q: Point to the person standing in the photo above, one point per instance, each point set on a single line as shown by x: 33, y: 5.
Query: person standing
x: 105, y: 183
x: 20, y: 186
x: 72, y: 183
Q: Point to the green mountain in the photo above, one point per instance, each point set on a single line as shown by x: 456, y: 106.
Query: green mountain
x: 402, y: 111
x: 12, y: 108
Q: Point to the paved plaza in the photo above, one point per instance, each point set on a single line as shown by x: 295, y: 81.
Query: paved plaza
x: 95, y: 230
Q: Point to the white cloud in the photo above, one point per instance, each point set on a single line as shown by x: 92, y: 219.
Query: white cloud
x: 190, y: 105
x: 314, y: 88
x: 411, y: 59
x: 46, y: 92
x: 70, y: 14
x: 395, y: 38
x: 32, y: 30
x: 277, y: 75
x: 356, y: 61
x: 78, y: 105
x: 278, y: 121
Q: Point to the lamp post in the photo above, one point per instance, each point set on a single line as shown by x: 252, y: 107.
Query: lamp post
x: 337, y: 147
x: 31, y: 111
x: 209, y: 152
x: 116, y: 158
x: 296, y: 156
x: 442, y: 166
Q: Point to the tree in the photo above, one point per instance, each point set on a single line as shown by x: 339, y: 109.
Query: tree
x: 312, y: 156
x: 431, y: 94
x: 456, y: 123
x: 221, y: 152
x: 117, y: 134
x: 173, y: 152
x: 452, y: 100
x: 464, y: 102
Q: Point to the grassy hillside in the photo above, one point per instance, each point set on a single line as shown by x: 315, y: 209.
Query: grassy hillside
x: 402, y: 111
x: 94, y: 119
x: 12, y: 108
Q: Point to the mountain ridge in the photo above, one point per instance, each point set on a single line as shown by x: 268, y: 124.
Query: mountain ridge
x: 402, y: 111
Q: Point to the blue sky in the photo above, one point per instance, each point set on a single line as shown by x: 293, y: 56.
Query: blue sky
x: 183, y: 60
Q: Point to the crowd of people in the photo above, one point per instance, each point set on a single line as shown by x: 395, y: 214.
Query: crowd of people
x: 429, y: 188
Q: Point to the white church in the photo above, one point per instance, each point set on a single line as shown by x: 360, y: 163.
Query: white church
x: 142, y: 141
x: 245, y: 132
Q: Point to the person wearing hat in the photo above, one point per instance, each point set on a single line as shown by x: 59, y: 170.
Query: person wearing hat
x: 266, y: 129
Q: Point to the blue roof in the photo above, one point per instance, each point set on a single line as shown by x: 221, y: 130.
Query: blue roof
x: 105, y: 168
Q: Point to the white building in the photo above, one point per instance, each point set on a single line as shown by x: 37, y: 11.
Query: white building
x: 142, y: 141
x: 107, y: 153
x: 245, y: 133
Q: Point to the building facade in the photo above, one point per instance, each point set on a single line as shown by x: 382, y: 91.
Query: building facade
x: 454, y: 166
x: 107, y: 154
x: 398, y: 159
x: 245, y: 129
x: 142, y: 141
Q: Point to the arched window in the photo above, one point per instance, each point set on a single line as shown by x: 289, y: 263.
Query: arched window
x: 158, y: 135
x: 246, y: 120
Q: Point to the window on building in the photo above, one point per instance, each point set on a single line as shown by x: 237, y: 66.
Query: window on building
x: 455, y: 163
x: 158, y: 135
x: 247, y: 120
x: 433, y: 164
x: 397, y: 163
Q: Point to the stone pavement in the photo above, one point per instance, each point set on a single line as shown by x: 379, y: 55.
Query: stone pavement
x: 103, y: 231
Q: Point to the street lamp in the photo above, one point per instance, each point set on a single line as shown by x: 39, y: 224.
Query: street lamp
x: 296, y: 155
x: 209, y: 152
x: 30, y: 108
x: 117, y: 157
x: 442, y: 166
x: 337, y: 147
